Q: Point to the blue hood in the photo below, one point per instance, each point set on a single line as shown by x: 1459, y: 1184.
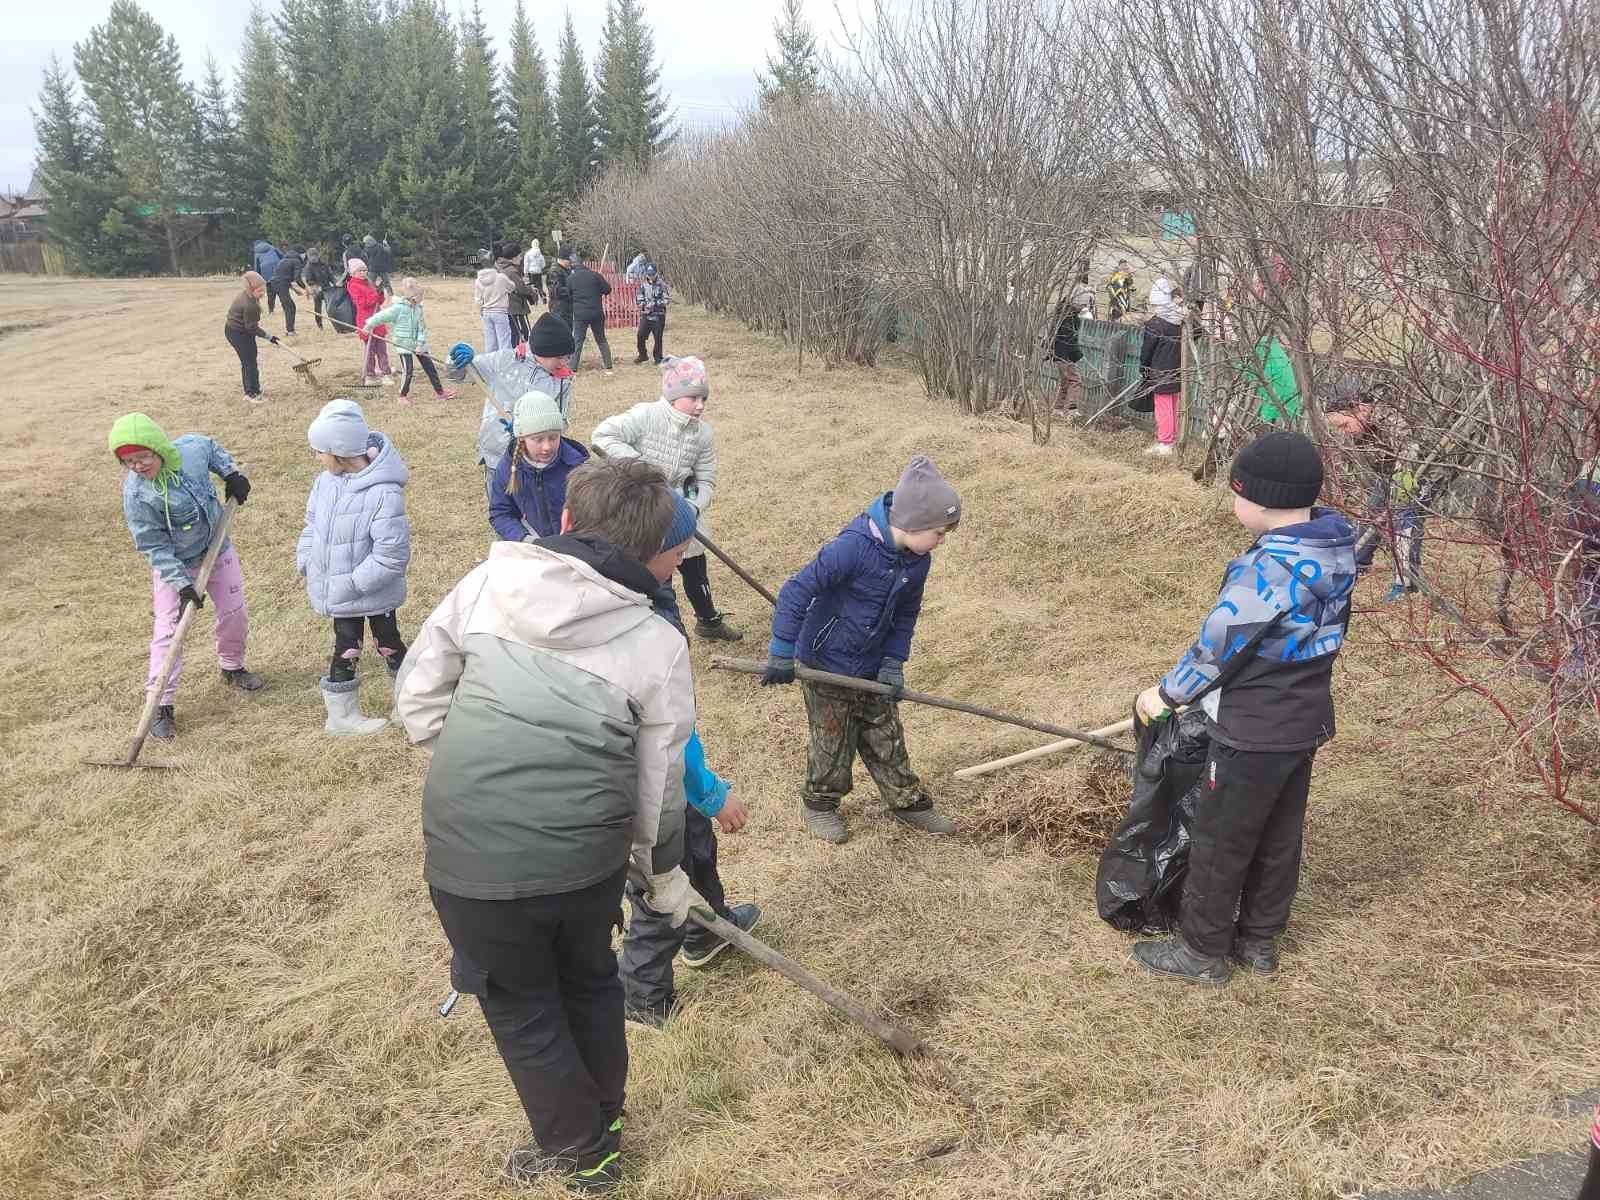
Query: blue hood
x: 1318, y: 554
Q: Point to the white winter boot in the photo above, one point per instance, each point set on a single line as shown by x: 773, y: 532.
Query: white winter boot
x: 344, y: 710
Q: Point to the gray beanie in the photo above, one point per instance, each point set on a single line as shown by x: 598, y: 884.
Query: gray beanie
x: 339, y: 429
x: 537, y: 413
x: 923, y: 499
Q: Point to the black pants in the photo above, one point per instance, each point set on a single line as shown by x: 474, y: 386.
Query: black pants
x: 651, y: 942
x: 536, y: 282
x: 656, y: 326
x: 272, y: 295
x: 1590, y: 1188
x: 286, y: 295
x: 519, y: 327
x: 581, y: 326
x: 1246, y: 850
x: 546, y: 977
x: 316, y: 306
x: 347, y: 644
x: 244, y: 345
x: 697, y: 586
x: 428, y: 369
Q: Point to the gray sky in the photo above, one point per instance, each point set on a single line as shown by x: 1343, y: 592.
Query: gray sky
x: 708, y: 50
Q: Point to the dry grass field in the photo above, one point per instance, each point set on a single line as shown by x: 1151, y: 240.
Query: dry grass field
x: 221, y: 981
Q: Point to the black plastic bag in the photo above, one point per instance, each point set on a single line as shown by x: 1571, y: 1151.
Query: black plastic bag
x: 1140, y: 881
x: 341, y: 309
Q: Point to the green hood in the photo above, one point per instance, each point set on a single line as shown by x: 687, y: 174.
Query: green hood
x: 136, y: 429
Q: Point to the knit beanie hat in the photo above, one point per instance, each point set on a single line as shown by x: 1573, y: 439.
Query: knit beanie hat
x: 356, y: 267
x: 537, y: 413
x: 1278, y: 470
x: 340, y: 428
x: 685, y: 519
x: 923, y: 499
x: 684, y: 376
x: 550, y: 337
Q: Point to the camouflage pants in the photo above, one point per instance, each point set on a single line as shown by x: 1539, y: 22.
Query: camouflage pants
x: 845, y: 723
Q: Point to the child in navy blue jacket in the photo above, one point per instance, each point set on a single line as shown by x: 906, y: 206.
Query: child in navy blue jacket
x: 1262, y: 670
x: 852, y: 610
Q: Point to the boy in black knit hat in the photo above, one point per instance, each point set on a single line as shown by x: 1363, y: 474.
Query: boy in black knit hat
x: 1262, y: 670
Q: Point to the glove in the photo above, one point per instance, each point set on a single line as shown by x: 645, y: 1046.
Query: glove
x: 236, y: 487
x: 521, y: 352
x: 1150, y: 706
x: 273, y: 339
x: 461, y: 356
x: 893, y: 673
x: 670, y: 895
x: 779, y: 670
x: 187, y: 595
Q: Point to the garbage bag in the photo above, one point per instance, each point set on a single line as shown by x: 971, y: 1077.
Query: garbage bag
x: 340, y: 308
x: 1139, y: 884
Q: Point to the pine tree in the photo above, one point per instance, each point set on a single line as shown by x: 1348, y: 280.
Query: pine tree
x: 488, y: 146
x: 132, y: 75
x: 257, y: 89
x: 794, y: 73
x: 221, y: 182
x: 573, y: 158
x: 530, y: 120
x: 630, y: 112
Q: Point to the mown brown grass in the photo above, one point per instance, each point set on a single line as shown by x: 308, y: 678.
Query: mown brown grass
x: 220, y: 981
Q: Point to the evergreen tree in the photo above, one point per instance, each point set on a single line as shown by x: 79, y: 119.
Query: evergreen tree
x: 257, y: 90
x: 221, y: 181
x: 630, y: 112
x: 793, y: 74
x: 488, y: 147
x: 132, y: 75
x: 573, y: 158
x: 529, y: 88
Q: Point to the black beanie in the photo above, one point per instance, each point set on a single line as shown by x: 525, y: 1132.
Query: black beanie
x: 550, y: 337
x: 1278, y: 470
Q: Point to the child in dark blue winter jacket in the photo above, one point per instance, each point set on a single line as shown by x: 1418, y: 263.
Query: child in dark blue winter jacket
x: 528, y: 489
x: 1262, y: 671
x: 852, y: 611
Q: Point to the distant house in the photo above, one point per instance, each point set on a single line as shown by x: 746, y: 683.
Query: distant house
x: 22, y: 218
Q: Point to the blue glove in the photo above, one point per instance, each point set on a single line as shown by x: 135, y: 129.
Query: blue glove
x: 460, y: 355
x: 892, y: 673
x: 506, y: 425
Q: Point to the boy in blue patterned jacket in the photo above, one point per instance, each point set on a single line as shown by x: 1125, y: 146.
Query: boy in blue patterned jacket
x: 852, y: 610
x: 1262, y: 670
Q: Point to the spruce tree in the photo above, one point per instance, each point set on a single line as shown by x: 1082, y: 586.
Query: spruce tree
x: 257, y: 89
x: 489, y: 150
x: 573, y: 153
x: 528, y: 86
x: 132, y: 75
x: 631, y: 115
x: 221, y: 182
x: 793, y: 74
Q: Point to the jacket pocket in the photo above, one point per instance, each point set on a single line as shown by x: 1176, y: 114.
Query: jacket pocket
x: 822, y: 634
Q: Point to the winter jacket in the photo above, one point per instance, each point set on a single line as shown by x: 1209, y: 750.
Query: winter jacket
x: 173, y: 515
x: 318, y: 275
x: 534, y: 510
x: 521, y: 292
x: 287, y: 272
x: 356, y: 542
x: 588, y: 290
x: 681, y: 446
x: 702, y: 789
x: 492, y: 291
x: 533, y: 262
x: 508, y: 379
x: 1276, y: 389
x: 1262, y: 667
x: 244, y: 315
x: 408, y: 327
x: 1161, y: 357
x: 379, y: 258
x: 635, y: 269
x: 366, y: 298
x: 1064, y: 345
x: 653, y: 298
x: 856, y: 603
x: 557, y: 706
x: 264, y: 258
x: 560, y: 293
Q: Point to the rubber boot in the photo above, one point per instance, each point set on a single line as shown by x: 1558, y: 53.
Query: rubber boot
x: 826, y: 824
x: 344, y: 710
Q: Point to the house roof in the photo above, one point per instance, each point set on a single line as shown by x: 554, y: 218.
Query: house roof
x: 36, y: 192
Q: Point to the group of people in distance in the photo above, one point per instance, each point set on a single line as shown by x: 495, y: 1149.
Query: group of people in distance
x: 552, y: 692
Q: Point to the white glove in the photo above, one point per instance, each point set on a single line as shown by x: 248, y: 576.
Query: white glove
x: 1150, y: 705
x: 670, y: 895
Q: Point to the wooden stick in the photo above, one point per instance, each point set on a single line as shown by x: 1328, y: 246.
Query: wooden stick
x: 997, y: 764
x: 750, y: 666
x: 734, y: 567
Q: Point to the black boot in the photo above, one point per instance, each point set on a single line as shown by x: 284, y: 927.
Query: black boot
x: 1259, y: 954
x: 164, y: 728
x: 717, y: 630
x: 1171, y: 957
x: 242, y: 679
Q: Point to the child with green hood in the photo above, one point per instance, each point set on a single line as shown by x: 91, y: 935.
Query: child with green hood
x: 172, y: 509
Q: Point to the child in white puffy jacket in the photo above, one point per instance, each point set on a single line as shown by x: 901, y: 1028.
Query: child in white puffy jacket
x: 492, y: 295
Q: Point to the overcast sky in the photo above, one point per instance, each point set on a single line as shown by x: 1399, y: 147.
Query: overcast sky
x: 709, y: 50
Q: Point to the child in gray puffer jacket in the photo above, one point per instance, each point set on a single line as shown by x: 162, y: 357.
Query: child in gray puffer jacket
x: 353, y: 552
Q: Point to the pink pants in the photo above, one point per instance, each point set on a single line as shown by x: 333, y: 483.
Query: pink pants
x: 225, y: 590
x: 376, y: 356
x: 1167, y: 418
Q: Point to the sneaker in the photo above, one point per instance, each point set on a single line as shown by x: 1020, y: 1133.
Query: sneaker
x: 1170, y: 957
x: 1258, y: 954
x: 256, y: 399
x: 242, y: 679
x: 1398, y: 592
x: 448, y: 393
x: 826, y: 824
x: 602, y: 1177
x: 165, y: 726
x: 701, y: 946
x: 643, y: 358
x: 717, y: 630
x: 405, y: 401
x: 609, y: 372
x: 924, y: 819
x: 531, y: 1165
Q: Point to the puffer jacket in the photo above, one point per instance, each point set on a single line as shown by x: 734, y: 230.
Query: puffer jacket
x: 1262, y: 667
x: 856, y: 603
x: 534, y: 510
x: 508, y: 379
x: 366, y: 298
x: 408, y: 328
x: 173, y: 515
x: 356, y: 542
x: 491, y: 291
x: 264, y: 258
x: 557, y: 707
x: 521, y: 293
x: 680, y: 446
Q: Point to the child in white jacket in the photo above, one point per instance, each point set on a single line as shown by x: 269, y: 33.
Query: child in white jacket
x: 492, y: 295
